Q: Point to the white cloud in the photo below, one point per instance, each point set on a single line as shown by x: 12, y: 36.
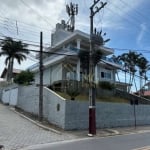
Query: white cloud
x: 113, y: 16
x: 44, y: 13
x: 48, y: 12
x: 141, y: 33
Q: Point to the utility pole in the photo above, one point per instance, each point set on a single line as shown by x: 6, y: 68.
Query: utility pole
x: 92, y: 117
x: 41, y: 79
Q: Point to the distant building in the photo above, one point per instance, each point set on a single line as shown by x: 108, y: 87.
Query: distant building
x: 123, y: 86
x: 145, y: 90
x: 4, y: 73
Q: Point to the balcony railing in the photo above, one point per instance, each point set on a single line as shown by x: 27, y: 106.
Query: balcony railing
x: 111, y: 61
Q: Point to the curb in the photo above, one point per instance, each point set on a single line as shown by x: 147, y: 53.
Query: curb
x: 35, y: 122
x: 115, y: 132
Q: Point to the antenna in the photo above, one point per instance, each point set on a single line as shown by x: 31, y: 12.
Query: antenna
x: 71, y: 10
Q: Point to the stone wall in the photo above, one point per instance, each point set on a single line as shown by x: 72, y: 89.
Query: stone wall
x: 70, y: 115
x: 108, y: 115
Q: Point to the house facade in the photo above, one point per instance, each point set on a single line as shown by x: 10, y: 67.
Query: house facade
x: 61, y: 61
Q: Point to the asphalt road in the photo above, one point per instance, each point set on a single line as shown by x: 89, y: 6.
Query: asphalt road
x: 120, y: 142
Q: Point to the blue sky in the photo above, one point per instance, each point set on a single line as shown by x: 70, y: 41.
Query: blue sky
x: 127, y: 23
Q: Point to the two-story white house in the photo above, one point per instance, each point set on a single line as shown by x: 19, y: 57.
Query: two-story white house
x: 61, y: 62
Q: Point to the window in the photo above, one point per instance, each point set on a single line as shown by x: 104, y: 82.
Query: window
x: 102, y: 74
x: 71, y: 75
x: 106, y: 75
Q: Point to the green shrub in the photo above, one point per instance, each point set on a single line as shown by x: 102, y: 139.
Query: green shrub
x: 106, y: 85
x: 25, y: 78
x: 73, y: 88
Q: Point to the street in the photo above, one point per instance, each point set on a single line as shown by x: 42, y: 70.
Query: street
x: 138, y: 141
x: 17, y: 132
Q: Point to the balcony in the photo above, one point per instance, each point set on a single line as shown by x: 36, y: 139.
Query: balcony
x: 112, y: 62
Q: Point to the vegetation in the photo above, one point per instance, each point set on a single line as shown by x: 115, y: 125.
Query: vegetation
x: 84, y: 58
x: 12, y: 50
x: 25, y: 78
x: 106, y: 85
x: 134, y: 62
x: 73, y: 89
x: 144, y: 66
x: 81, y: 97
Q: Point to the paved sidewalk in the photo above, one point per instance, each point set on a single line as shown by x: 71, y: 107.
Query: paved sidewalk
x: 17, y: 132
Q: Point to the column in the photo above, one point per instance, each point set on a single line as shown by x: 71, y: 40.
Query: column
x: 78, y: 62
x: 96, y: 74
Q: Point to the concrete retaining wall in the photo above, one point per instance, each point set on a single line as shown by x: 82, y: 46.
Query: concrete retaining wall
x: 28, y: 100
x: 70, y: 115
x: 54, y: 106
x: 108, y: 115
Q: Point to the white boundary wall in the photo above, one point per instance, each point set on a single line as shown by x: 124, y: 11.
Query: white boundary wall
x: 10, y: 95
x: 70, y: 115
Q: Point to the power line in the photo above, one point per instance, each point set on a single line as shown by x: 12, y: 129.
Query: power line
x: 122, y: 49
x: 46, y: 52
x: 26, y: 24
x: 43, y: 18
x: 126, y: 18
x: 127, y: 49
x: 129, y: 19
x: 64, y: 54
x: 21, y: 28
x: 137, y: 12
x: 33, y: 42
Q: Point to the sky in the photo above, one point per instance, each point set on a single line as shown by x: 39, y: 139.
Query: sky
x: 127, y: 23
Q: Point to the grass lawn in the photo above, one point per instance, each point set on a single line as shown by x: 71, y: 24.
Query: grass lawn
x: 80, y: 97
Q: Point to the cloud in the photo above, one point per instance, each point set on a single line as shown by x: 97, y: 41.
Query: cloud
x: 46, y: 13
x: 33, y: 12
x: 141, y: 33
x: 113, y: 16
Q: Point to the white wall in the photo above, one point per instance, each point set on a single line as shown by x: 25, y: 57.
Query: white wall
x: 106, y: 72
x: 50, y: 74
x: 36, y: 77
x: 13, y: 97
x: 5, y: 96
x: 10, y: 96
x: 56, y: 73
x: 46, y: 76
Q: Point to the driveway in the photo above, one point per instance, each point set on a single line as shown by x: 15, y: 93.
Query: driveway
x: 17, y: 132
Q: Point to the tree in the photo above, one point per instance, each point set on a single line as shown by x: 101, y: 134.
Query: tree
x: 133, y: 58
x: 84, y: 59
x: 73, y: 88
x: 144, y: 66
x: 124, y: 58
x: 25, y: 78
x: 130, y: 61
x: 13, y: 50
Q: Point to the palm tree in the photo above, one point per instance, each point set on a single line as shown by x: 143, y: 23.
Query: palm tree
x: 12, y: 50
x: 130, y: 62
x: 124, y: 58
x: 84, y: 58
x: 144, y: 66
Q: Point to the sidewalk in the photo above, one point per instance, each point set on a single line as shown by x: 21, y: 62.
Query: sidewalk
x: 18, y: 131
